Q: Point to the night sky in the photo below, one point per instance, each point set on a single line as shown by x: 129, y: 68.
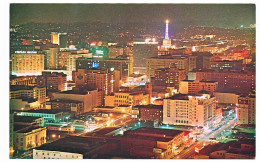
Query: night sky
x: 219, y: 15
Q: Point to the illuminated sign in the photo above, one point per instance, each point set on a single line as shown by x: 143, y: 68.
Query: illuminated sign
x: 99, y: 52
x: 28, y: 52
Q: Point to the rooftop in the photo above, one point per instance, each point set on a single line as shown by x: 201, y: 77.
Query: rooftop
x: 149, y: 106
x: 45, y: 111
x: 233, y: 90
x: 26, y: 129
x: 154, y: 133
x: 74, y: 144
x: 64, y: 101
x: 26, y: 119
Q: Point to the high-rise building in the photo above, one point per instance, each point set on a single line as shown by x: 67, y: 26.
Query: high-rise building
x: 238, y: 79
x: 143, y: 49
x: 202, y: 60
x: 72, y: 58
x: 53, y: 81
x: 246, y: 109
x: 62, y: 59
x: 27, y: 63
x: 55, y: 38
x: 193, y: 110
x: 51, y: 58
x: 168, y: 77
x: 193, y: 86
x: 115, y: 51
x: 154, y: 63
x: 63, y: 40
x: 226, y: 65
x: 117, y: 64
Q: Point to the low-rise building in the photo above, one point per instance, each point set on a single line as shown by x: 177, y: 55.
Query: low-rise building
x: 48, y: 115
x: 27, y: 137
x: 28, y: 120
x: 75, y: 107
x: 152, y: 142
x: 150, y: 112
x: 193, y: 86
x: 246, y: 109
x: 131, y: 98
x: 90, y: 98
x: 76, y: 147
x: 29, y: 94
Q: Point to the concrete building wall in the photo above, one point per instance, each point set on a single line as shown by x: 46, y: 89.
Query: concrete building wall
x: 46, y: 154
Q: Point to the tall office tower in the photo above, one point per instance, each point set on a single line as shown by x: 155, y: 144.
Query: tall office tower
x: 149, y: 90
x: 246, y: 109
x: 62, y: 59
x: 154, y: 63
x: 130, y: 64
x: 143, y: 49
x: 55, y: 38
x: 51, y: 58
x: 72, y: 58
x: 168, y: 77
x: 63, y: 40
x: 128, y: 51
x: 27, y: 63
x: 193, y: 110
x: 202, y: 60
x: 115, y: 51
x: 53, y: 81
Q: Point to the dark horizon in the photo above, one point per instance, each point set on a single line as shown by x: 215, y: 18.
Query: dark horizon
x: 217, y: 15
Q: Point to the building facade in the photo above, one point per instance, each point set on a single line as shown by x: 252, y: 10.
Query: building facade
x: 196, y: 110
x: 168, y: 77
x: 246, y: 110
x: 193, y: 86
x: 27, y: 63
x: 165, y: 62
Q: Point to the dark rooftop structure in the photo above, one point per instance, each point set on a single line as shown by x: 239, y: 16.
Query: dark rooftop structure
x: 149, y: 106
x: 20, y: 87
x: 65, y: 101
x: 88, y: 146
x: 24, y: 129
x: 154, y: 132
x: 25, y: 119
x: 238, y: 91
x: 46, y: 111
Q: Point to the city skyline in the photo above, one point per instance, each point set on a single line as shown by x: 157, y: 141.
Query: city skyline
x: 132, y: 81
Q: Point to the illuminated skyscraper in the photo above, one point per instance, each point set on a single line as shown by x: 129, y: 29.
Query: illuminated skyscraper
x: 27, y: 63
x: 63, y: 40
x: 142, y: 50
x: 55, y: 38
x: 166, y: 30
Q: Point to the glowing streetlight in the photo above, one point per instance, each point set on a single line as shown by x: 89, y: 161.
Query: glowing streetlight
x: 167, y: 21
x: 53, y: 135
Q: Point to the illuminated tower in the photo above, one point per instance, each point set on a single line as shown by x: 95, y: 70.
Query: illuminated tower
x: 166, y: 41
x: 55, y: 38
x: 166, y: 30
